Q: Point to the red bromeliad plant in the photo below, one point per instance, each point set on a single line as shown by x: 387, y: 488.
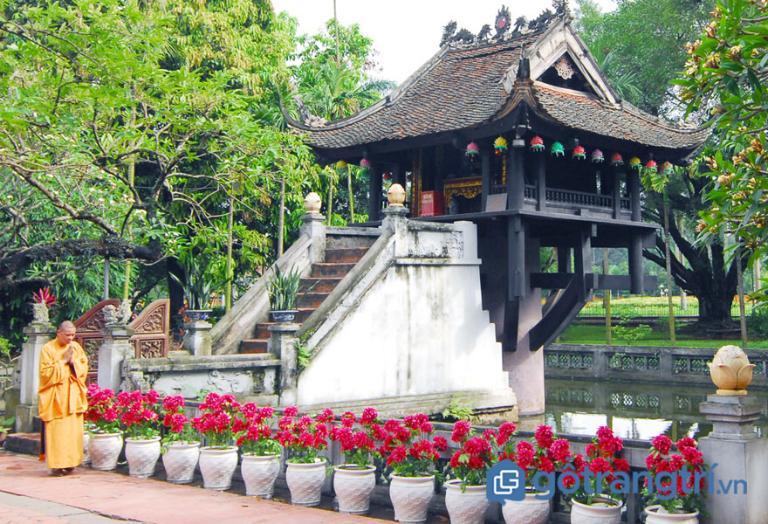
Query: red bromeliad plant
x: 681, y: 489
x: 102, y: 412
x: 544, y: 453
x: 215, y: 422
x: 304, y: 437
x: 602, y: 463
x: 44, y: 295
x: 408, y: 447
x: 357, y: 437
x: 253, y: 429
x: 471, y: 462
x: 175, y: 421
x: 138, y: 413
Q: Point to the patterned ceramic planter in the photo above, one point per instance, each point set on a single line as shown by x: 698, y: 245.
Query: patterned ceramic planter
x: 259, y: 474
x: 603, y: 510
x: 180, y: 460
x: 86, y: 448
x: 305, y: 482
x: 142, y: 455
x: 465, y: 506
x: 217, y: 465
x: 530, y: 510
x: 353, y: 486
x: 658, y: 515
x: 410, y: 497
x: 104, y: 449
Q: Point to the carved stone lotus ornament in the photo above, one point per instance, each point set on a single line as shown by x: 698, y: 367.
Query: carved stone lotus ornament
x: 731, y: 371
x: 312, y: 203
x: 396, y: 195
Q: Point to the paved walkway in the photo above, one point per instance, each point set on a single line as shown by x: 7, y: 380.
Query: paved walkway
x: 28, y: 494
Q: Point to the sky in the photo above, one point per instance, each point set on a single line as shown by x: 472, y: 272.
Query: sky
x: 406, y: 33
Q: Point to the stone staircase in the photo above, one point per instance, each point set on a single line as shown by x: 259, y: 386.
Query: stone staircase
x: 341, y: 255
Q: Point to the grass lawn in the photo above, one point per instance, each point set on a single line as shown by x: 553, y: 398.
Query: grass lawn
x: 591, y: 334
x: 641, y: 306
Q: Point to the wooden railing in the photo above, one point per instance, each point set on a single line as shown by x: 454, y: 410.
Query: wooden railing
x: 579, y: 198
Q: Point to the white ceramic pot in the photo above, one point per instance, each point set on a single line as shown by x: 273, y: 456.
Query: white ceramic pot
x: 305, y: 482
x: 410, y: 497
x: 658, y: 515
x: 86, y: 448
x: 142, y: 455
x: 217, y: 465
x: 465, y: 506
x: 530, y: 510
x: 180, y: 460
x: 259, y: 474
x: 602, y: 511
x: 104, y: 449
x: 353, y: 486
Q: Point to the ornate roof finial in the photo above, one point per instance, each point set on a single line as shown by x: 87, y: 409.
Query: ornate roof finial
x: 563, y: 10
x: 524, y: 66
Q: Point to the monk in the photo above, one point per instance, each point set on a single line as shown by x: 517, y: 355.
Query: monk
x: 62, y: 400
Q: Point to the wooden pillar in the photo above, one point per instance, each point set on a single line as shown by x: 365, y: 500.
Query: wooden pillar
x: 398, y: 174
x: 563, y: 259
x: 541, y: 181
x: 515, y: 257
x: 485, y: 171
x: 636, y: 265
x: 516, y: 175
x: 583, y: 260
x: 617, y: 174
x: 374, y: 193
x: 633, y: 183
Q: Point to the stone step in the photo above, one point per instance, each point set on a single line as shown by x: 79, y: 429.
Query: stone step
x: 330, y: 270
x: 318, y: 284
x: 303, y: 314
x: 349, y: 255
x: 28, y: 443
x: 310, y: 299
x: 262, y: 330
x: 254, y: 345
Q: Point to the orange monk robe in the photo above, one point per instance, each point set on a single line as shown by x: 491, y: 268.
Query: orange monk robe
x: 62, y: 402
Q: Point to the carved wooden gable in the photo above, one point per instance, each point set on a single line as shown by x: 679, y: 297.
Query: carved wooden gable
x: 90, y: 334
x: 151, y: 330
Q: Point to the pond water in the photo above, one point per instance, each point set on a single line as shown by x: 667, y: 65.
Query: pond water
x: 634, y: 411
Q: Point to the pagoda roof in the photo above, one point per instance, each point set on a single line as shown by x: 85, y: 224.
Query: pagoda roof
x: 464, y: 88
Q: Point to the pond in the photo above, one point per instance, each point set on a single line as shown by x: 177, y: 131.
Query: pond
x: 634, y: 411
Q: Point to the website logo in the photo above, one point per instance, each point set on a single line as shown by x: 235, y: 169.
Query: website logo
x: 506, y: 481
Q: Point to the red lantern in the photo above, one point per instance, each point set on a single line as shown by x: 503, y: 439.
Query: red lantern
x: 651, y: 165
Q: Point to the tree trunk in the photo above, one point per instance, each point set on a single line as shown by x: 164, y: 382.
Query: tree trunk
x: 715, y: 306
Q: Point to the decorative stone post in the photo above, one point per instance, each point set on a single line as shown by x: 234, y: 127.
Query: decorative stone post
x: 282, y: 344
x: 115, y: 348
x: 733, y: 449
x: 197, y: 335
x: 313, y: 227
x: 395, y: 219
x: 38, y: 332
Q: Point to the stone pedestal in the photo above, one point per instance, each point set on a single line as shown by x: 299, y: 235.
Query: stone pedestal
x: 313, y: 226
x: 114, y: 349
x: 738, y: 458
x: 282, y: 344
x: 396, y: 221
x: 197, y: 337
x: 38, y: 333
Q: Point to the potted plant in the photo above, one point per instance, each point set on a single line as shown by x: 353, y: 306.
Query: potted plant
x: 411, y: 454
x: 465, y: 493
x: 87, y: 431
x: 197, y: 286
x: 592, y: 501
x: 543, y: 454
x: 283, y: 288
x: 42, y: 300
x: 354, y: 480
x: 106, y: 440
x: 180, y: 444
x: 6, y: 425
x: 261, y: 452
x: 678, y: 496
x: 139, y: 421
x: 303, y: 439
x: 218, y: 458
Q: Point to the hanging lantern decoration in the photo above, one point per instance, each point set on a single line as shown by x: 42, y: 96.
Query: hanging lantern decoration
x: 557, y: 150
x: 635, y: 163
x: 500, y: 145
x: 617, y: 160
x: 579, y: 153
x: 652, y: 166
x: 537, y: 144
x: 473, y: 150
x: 341, y: 164
x: 597, y: 157
x: 365, y: 163
x: 667, y: 168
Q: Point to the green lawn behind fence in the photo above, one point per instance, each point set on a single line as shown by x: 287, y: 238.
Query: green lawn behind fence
x: 649, y: 307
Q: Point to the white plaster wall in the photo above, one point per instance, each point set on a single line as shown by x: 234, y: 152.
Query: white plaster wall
x: 419, y: 330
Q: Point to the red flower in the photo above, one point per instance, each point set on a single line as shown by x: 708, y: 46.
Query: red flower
x: 525, y: 454
x: 560, y: 450
x: 544, y: 436
x: 369, y: 416
x: 662, y: 443
x: 440, y: 443
x: 599, y: 465
x: 291, y: 411
x: 460, y: 430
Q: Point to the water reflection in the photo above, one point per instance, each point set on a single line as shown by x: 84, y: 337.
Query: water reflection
x: 634, y: 411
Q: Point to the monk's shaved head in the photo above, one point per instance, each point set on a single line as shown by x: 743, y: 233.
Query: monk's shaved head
x: 67, y: 325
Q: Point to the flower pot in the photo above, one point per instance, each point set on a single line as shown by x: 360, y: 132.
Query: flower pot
x: 353, y: 486
x: 305, y: 482
x: 217, y: 466
x: 530, y: 510
x: 142, y: 455
x: 465, y: 506
x: 410, y: 497
x: 604, y: 510
x: 198, y: 314
x: 180, y: 460
x: 259, y: 474
x: 104, y: 449
x: 283, y: 316
x: 658, y: 515
x: 86, y: 448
